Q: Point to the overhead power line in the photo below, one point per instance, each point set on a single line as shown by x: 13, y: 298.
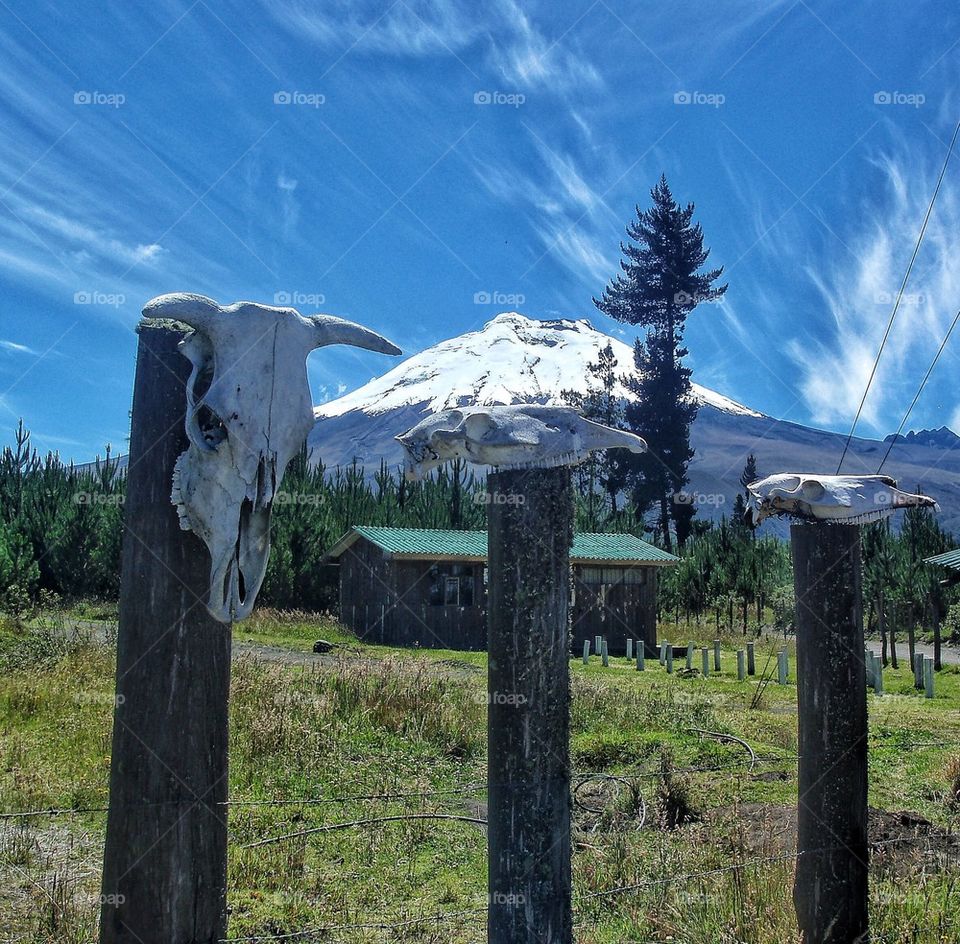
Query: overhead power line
x: 896, y: 305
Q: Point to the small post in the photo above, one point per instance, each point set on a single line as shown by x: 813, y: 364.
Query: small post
x: 830, y: 886
x: 586, y: 652
x: 528, y: 734
x: 663, y: 653
x: 741, y: 665
x: 877, y: 677
x: 689, y: 655
x: 641, y: 653
x: 597, y: 644
x: 751, y: 659
x: 605, y: 652
x: 716, y: 655
x: 705, y: 654
x: 670, y: 657
x: 629, y: 648
x: 782, y: 667
x: 928, y: 678
x: 918, y: 670
x: 165, y: 858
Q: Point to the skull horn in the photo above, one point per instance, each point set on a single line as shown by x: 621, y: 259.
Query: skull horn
x: 198, y: 311
x: 331, y: 330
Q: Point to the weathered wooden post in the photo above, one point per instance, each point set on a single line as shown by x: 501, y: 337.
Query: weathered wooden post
x: 641, y: 656
x: 630, y: 648
x: 689, y: 655
x: 928, y: 678
x: 670, y: 658
x: 530, y: 533
x: 529, y: 705
x: 830, y: 891
x: 830, y: 886
x: 165, y: 860
x: 164, y: 872
x: 586, y: 652
x: 705, y: 658
x: 751, y: 659
x: 605, y: 652
x: 741, y: 666
x: 716, y: 655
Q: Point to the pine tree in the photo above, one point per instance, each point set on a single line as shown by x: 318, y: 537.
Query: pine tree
x: 660, y: 284
x: 750, y: 473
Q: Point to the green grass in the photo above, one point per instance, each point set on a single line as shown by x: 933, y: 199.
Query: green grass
x: 374, y: 720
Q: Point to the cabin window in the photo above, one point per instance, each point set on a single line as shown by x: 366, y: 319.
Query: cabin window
x: 451, y: 585
x: 611, y: 575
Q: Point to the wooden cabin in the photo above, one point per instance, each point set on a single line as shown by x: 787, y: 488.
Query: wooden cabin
x: 422, y: 587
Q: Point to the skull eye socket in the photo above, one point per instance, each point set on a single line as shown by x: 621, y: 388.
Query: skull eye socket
x: 210, y: 427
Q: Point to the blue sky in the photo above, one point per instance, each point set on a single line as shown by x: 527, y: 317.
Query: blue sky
x: 388, y: 162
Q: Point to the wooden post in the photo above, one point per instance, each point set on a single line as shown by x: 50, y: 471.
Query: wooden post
x: 630, y: 648
x: 918, y: 670
x: 669, y: 657
x: 689, y: 655
x: 604, y: 652
x: 597, y: 644
x: 716, y: 655
x: 877, y: 677
x: 528, y: 718
x: 663, y: 653
x: 586, y: 652
x: 937, y: 640
x: 641, y: 654
x: 705, y: 654
x: 751, y: 659
x: 928, y: 678
x: 830, y: 889
x: 741, y: 665
x: 165, y: 859
x: 782, y: 667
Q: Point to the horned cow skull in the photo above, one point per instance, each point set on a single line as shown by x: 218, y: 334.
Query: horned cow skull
x: 509, y: 437
x: 842, y: 499
x: 248, y: 412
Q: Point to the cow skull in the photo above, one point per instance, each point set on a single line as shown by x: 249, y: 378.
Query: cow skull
x: 509, y: 437
x: 840, y: 499
x: 248, y: 413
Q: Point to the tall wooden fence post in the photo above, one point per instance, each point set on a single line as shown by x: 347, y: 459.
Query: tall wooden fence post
x: 528, y: 719
x: 830, y: 890
x: 165, y: 860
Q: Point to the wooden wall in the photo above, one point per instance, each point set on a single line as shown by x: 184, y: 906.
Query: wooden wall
x: 388, y: 601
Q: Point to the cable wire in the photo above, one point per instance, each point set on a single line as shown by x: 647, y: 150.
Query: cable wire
x: 896, y: 305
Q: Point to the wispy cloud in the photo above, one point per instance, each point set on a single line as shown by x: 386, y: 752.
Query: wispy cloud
x: 13, y: 348
x: 858, y: 292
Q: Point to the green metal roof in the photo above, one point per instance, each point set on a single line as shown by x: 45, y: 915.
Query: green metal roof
x: 949, y: 559
x: 429, y: 542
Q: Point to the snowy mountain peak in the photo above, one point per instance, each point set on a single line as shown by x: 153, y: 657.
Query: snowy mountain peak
x: 512, y: 359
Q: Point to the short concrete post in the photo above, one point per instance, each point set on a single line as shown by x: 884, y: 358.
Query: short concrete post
x: 782, y: 669
x: 741, y: 665
x: 670, y: 657
x: 918, y: 670
x: 928, y: 678
x: 705, y: 655
x: 689, y: 655
x: 629, y: 648
x: 751, y: 659
x: 604, y: 652
x: 586, y: 652
x: 716, y: 655
x: 597, y: 644
x: 663, y: 653
x: 877, y: 676
x: 641, y: 654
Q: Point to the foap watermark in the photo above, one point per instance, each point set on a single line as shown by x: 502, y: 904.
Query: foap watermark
x: 508, y: 899
x: 498, y: 298
x: 113, y: 900
x: 713, y: 99
x: 298, y: 499
x: 912, y: 299
x: 98, y: 498
x: 511, y: 699
x: 99, y: 698
x: 686, y: 298
x: 107, y: 299
x: 912, y: 99
x: 106, y: 99
x: 715, y: 499
x: 499, y: 498
x: 510, y: 99
x: 307, y: 99
x: 313, y: 299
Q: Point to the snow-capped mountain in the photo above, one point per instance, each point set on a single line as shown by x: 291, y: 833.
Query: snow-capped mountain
x: 512, y: 359
x: 515, y: 359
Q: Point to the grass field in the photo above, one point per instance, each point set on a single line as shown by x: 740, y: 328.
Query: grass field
x: 677, y: 837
